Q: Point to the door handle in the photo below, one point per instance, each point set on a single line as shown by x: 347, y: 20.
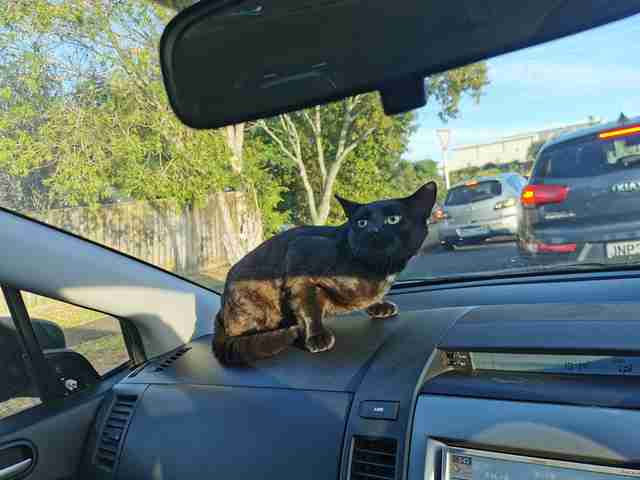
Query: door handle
x: 7, y: 473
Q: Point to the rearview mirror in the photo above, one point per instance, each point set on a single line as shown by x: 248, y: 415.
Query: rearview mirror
x: 226, y: 62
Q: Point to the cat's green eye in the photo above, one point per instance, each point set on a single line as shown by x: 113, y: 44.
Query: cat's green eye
x: 393, y: 219
x: 362, y: 222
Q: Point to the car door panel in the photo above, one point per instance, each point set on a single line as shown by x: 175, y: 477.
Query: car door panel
x: 17, y: 459
x: 56, y: 432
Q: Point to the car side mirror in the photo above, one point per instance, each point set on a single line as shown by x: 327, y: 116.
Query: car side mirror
x: 15, y: 380
x: 49, y: 334
x: 71, y: 368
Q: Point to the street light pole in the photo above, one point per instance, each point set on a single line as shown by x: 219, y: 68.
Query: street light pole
x: 445, y: 171
x: 444, y: 135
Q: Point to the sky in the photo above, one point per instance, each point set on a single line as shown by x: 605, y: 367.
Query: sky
x: 565, y: 81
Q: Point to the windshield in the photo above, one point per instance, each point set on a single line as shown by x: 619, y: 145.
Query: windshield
x: 89, y: 144
x: 473, y: 192
x: 588, y: 158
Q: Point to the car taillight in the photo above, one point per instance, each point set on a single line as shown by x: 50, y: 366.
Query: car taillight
x: 535, y: 195
x: 509, y: 202
x: 558, y: 248
x: 620, y: 132
x: 439, y: 214
x: 536, y: 247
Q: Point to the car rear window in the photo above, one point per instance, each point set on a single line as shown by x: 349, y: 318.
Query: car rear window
x: 588, y: 158
x: 465, y: 194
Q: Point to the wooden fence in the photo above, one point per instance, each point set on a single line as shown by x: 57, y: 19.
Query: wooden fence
x: 182, y: 241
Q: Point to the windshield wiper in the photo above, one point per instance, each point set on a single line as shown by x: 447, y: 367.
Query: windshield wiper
x: 521, y: 271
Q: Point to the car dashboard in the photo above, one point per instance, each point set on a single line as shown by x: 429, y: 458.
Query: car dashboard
x: 461, y: 385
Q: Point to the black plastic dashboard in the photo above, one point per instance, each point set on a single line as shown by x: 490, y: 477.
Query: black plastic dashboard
x: 373, y: 407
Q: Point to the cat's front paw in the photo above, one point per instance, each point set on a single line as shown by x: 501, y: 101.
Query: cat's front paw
x: 383, y: 310
x: 321, y: 342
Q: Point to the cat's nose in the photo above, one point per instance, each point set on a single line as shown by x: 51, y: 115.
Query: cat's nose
x: 373, y: 229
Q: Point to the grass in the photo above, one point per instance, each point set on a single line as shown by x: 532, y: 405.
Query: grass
x: 105, y: 353
x: 66, y: 316
x: 15, y: 405
x: 63, y: 314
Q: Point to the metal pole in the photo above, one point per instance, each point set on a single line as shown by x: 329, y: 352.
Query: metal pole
x: 445, y: 171
x: 444, y: 135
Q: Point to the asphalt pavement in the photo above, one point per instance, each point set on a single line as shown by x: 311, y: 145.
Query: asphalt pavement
x: 438, y: 262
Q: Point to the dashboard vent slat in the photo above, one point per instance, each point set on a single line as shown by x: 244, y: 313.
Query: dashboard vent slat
x: 167, y: 362
x: 112, y: 435
x: 373, y: 458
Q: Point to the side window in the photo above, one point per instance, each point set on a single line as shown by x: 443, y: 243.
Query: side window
x: 94, y: 335
x: 17, y: 387
x: 516, y: 183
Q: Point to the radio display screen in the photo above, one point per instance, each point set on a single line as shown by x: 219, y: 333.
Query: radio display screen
x: 468, y: 464
x: 555, y: 364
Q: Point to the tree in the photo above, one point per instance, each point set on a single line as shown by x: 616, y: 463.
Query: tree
x: 426, y: 168
x: 318, y: 141
x: 534, y: 149
x: 87, y: 105
x: 321, y: 140
x: 234, y: 134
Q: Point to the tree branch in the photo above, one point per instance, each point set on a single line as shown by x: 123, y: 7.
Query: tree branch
x: 311, y: 198
x: 235, y: 141
x: 346, y: 122
x: 357, y: 141
x: 263, y: 125
x: 316, y: 127
x: 342, y: 153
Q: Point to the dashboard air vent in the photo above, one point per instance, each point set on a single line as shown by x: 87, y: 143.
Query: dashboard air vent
x: 110, y: 441
x: 166, y: 363
x: 373, y: 458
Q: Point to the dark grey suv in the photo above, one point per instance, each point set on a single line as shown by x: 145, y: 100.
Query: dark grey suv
x: 582, y: 202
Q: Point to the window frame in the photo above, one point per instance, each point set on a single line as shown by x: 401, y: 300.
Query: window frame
x: 130, y: 334
x: 50, y: 389
x: 107, y: 247
x: 35, y: 361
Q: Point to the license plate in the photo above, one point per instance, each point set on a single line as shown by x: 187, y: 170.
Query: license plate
x: 472, y: 232
x: 623, y: 249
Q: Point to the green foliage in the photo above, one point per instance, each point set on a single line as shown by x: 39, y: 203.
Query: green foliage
x: 261, y: 172
x: 534, y: 149
x: 84, y: 119
x: 362, y: 146
x: 108, y: 128
x: 448, y: 88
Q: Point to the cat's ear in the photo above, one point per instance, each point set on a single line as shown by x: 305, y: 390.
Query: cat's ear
x: 348, y: 206
x: 422, y: 201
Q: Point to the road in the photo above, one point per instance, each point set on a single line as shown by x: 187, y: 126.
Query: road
x: 473, y: 259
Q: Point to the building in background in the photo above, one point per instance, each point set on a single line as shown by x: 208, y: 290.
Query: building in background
x: 507, y: 149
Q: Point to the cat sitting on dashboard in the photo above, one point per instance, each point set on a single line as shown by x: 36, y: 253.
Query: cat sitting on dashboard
x: 279, y: 294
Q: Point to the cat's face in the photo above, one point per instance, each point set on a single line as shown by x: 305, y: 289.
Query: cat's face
x: 387, y: 233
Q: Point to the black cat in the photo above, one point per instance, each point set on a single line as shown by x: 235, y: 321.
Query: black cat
x: 279, y: 293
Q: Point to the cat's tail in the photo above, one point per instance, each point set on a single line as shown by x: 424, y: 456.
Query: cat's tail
x: 245, y: 349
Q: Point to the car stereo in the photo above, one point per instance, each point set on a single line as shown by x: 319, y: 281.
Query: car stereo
x: 470, y: 464
x: 572, y: 364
